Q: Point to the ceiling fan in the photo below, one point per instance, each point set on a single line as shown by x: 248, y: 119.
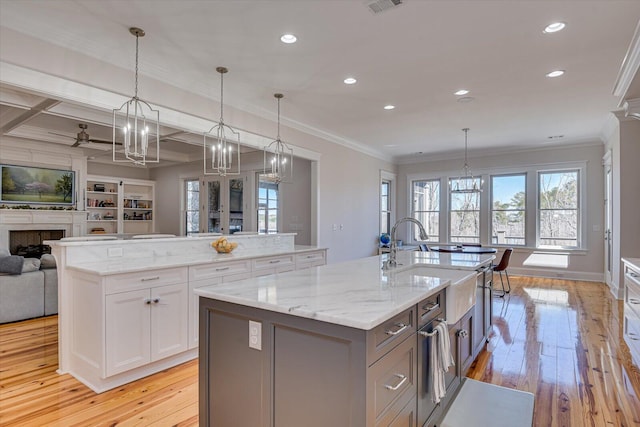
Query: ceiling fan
x: 83, y: 137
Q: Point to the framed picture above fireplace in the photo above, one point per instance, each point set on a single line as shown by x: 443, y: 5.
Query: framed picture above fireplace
x: 32, y: 185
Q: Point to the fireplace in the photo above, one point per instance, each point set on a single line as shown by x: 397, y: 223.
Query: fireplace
x: 28, y: 243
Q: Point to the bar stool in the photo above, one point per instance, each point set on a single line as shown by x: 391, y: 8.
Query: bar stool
x: 502, y: 266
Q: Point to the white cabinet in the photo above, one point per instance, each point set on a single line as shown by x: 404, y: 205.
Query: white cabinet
x: 272, y: 265
x: 117, y: 205
x: 311, y: 259
x: 145, y: 325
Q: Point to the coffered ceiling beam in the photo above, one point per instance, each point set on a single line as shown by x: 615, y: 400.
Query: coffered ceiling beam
x: 29, y: 114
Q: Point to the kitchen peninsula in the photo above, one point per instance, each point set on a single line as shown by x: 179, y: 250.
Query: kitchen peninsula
x: 342, y: 345
x: 127, y: 308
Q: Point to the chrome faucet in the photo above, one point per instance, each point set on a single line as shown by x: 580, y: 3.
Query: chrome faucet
x: 391, y: 261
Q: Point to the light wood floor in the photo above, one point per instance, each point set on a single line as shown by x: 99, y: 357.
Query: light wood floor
x: 560, y: 340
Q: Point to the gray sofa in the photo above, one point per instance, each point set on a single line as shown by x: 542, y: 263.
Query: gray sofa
x: 32, y: 293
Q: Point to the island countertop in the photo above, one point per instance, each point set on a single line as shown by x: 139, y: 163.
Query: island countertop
x: 111, y: 266
x: 356, y: 294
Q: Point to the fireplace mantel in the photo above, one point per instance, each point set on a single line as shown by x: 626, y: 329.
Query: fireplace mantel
x: 73, y: 222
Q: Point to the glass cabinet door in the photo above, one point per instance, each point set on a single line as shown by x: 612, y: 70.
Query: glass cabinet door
x: 224, y: 207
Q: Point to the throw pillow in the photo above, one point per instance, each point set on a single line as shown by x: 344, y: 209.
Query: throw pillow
x: 4, y: 252
x: 11, y: 264
x: 30, y: 264
x: 47, y: 261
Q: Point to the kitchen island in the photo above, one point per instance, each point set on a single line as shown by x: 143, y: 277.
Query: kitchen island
x: 338, y: 345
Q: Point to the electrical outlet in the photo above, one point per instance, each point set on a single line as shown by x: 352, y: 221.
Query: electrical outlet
x: 335, y: 227
x: 255, y: 335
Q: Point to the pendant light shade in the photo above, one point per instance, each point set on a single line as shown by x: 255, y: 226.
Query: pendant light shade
x: 278, y: 156
x: 222, y: 143
x: 136, y: 126
x: 466, y: 182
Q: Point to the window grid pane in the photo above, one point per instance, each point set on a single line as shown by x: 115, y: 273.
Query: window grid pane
x: 426, y: 207
x: 385, y: 207
x: 508, y: 202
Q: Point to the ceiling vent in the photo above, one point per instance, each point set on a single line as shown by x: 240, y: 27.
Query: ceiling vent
x: 378, y: 6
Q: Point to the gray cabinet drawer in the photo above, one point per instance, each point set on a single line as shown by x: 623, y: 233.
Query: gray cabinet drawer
x: 384, y: 337
x: 393, y: 379
x: 632, y: 299
x: 217, y: 269
x: 145, y: 279
x: 431, y: 308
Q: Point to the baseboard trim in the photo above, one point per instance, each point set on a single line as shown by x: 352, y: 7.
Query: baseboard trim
x: 557, y: 274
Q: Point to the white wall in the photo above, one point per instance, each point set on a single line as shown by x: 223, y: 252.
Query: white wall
x: 120, y: 171
x: 586, y: 265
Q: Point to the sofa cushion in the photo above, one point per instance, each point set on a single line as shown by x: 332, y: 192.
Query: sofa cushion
x: 4, y: 252
x: 11, y: 264
x: 30, y: 264
x: 47, y: 261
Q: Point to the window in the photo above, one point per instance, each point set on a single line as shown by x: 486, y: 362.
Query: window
x: 268, y: 195
x: 558, y: 216
x: 385, y: 207
x: 426, y: 207
x: 192, y: 206
x: 464, y: 216
x: 508, y: 207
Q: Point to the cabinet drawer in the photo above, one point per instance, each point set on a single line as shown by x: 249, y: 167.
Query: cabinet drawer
x: 280, y: 263
x: 431, y: 307
x: 145, y: 279
x: 310, y: 259
x: 632, y: 335
x: 405, y: 417
x: 383, y: 338
x: 393, y: 379
x: 632, y: 299
x: 217, y: 269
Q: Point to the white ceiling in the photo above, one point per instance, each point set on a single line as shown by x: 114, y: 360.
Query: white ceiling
x: 413, y: 56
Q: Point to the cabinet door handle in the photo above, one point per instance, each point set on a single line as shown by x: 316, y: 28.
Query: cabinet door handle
x: 310, y: 256
x: 147, y: 279
x: 147, y: 301
x: 431, y: 306
x: 156, y: 300
x: 462, y: 333
x: 274, y: 261
x: 403, y: 379
x: 634, y: 300
x: 222, y: 268
x: 401, y: 327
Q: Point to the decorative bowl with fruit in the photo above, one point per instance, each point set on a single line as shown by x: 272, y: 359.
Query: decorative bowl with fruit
x: 223, y: 246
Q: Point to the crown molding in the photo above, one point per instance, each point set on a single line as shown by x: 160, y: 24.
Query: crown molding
x: 629, y: 67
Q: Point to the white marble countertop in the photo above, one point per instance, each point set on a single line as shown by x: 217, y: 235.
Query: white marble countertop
x: 357, y: 293
x: 121, y: 265
x: 634, y: 262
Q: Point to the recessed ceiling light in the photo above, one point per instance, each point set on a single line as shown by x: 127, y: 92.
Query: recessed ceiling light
x: 389, y: 107
x: 556, y: 73
x: 288, y: 38
x: 349, y: 81
x: 461, y: 92
x: 554, y: 27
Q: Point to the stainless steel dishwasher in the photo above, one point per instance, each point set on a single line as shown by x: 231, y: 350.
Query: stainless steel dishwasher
x: 483, y: 308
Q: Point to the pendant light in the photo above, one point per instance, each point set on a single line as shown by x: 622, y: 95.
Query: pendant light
x: 222, y: 143
x: 466, y: 182
x: 278, y: 156
x: 137, y: 125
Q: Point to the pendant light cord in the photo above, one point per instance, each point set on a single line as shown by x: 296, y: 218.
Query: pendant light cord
x: 221, y: 96
x: 136, y: 89
x: 278, y: 119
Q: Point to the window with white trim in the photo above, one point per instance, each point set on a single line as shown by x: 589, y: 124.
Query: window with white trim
x: 508, y: 209
x: 558, y: 209
x: 425, y: 207
x: 464, y: 216
x: 385, y: 206
x: 268, y: 195
x: 192, y: 206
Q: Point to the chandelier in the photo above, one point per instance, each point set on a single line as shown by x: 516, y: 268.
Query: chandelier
x: 137, y: 124
x: 278, y: 156
x: 466, y: 182
x: 222, y: 143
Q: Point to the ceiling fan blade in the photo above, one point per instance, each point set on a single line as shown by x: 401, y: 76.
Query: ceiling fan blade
x: 77, y: 143
x: 102, y: 141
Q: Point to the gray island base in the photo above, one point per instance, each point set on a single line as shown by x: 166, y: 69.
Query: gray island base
x: 339, y: 345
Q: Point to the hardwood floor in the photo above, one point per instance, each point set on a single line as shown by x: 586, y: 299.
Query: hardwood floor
x: 558, y: 339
